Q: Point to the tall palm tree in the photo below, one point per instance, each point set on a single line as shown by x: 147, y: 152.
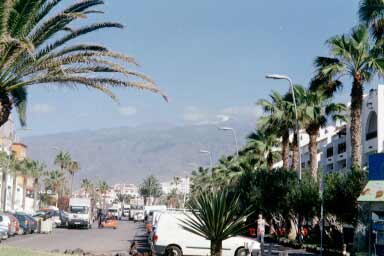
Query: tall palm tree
x: 73, y: 168
x: 54, y: 181
x: 371, y: 13
x: 280, y: 118
x: 86, y: 185
x: 15, y: 165
x: 37, y: 170
x: 216, y: 216
x: 38, y: 47
x: 103, y: 188
x: 25, y: 171
x: 354, y: 56
x: 63, y: 160
x: 150, y: 188
x: 315, y: 109
x: 264, y: 144
x: 4, y: 165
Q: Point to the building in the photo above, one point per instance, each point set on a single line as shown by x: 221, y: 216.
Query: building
x: 182, y: 186
x: 127, y: 189
x: 334, y: 141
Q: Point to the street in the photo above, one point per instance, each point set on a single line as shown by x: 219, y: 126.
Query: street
x: 97, y: 241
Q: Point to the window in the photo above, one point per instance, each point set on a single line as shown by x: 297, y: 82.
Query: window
x: 329, y: 152
x: 303, y: 165
x: 330, y: 167
x: 341, y: 148
x: 371, y: 128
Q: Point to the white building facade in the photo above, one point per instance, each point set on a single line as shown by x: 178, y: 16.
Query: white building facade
x: 334, y: 141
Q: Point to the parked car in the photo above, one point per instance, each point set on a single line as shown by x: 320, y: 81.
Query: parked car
x: 139, y: 216
x: 7, y: 222
x: 14, y: 223
x: 109, y: 223
x: 24, y: 225
x: 171, y: 239
x: 3, y: 228
x: 32, y: 223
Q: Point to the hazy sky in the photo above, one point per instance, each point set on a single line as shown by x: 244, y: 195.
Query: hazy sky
x: 209, y: 56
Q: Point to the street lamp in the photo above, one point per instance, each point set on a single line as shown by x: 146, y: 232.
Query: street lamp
x: 210, y: 156
x: 297, y: 128
x: 234, y: 135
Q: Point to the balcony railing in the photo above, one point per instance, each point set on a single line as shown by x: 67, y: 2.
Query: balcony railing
x: 371, y: 135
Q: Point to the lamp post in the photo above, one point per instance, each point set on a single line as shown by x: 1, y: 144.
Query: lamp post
x: 210, y: 156
x: 297, y: 128
x: 234, y: 135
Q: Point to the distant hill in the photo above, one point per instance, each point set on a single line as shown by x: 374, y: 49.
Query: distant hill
x: 129, y: 154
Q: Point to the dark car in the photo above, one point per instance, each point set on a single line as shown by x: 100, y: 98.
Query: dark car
x: 24, y: 225
x: 32, y: 223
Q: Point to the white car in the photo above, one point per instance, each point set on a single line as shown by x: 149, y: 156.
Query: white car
x: 170, y: 238
x: 6, y: 224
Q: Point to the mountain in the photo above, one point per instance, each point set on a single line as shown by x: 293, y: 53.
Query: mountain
x: 129, y: 154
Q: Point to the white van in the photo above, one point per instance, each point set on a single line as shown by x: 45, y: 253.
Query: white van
x: 80, y: 213
x: 170, y: 238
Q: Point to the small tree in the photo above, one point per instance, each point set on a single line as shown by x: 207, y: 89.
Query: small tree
x: 216, y: 216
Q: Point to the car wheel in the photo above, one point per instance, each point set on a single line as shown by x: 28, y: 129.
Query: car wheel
x: 173, y: 251
x: 241, y: 252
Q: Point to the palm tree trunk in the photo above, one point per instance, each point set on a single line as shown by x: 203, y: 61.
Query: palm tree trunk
x: 72, y: 176
x: 295, y: 152
x: 270, y: 162
x: 216, y: 247
x: 24, y: 191
x: 285, y: 149
x: 356, y: 109
x: 5, y: 107
x: 313, y: 152
x: 14, y: 191
x: 4, y: 190
x: 35, y: 193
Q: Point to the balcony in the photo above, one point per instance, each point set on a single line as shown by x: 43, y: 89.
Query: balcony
x: 371, y: 135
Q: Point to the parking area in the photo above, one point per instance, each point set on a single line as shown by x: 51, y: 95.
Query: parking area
x: 96, y: 241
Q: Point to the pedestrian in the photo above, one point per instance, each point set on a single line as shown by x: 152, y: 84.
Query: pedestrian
x: 261, y: 223
x: 99, y: 217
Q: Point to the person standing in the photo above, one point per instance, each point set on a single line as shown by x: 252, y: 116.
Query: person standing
x: 261, y: 223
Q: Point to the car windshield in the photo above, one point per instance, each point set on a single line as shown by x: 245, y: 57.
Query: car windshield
x: 78, y: 209
x: 112, y: 210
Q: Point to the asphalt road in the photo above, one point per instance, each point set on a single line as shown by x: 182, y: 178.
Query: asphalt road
x: 97, y: 241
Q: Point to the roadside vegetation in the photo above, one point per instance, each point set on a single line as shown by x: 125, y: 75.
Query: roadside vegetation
x: 11, y: 251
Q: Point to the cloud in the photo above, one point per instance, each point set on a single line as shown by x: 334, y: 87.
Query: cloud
x: 127, y: 111
x: 199, y: 116
x: 42, y: 108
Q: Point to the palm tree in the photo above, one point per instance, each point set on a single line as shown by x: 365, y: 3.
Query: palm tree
x: 103, y: 189
x: 15, y: 165
x: 63, y: 160
x: 315, y: 109
x: 216, y: 216
x: 150, y: 188
x: 201, y: 180
x: 4, y: 165
x: 73, y: 167
x: 353, y: 55
x: 280, y: 118
x: 54, y: 181
x: 38, y: 47
x: 25, y: 171
x: 371, y: 13
x: 37, y: 170
x: 86, y: 185
x: 264, y: 144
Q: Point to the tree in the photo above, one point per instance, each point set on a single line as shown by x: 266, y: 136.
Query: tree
x: 73, y: 167
x: 371, y: 13
x: 264, y: 144
x: 63, y: 160
x: 15, y: 165
x: 38, y: 47
x: 54, y: 181
x: 353, y: 55
x: 150, y: 188
x: 280, y: 119
x: 216, y: 216
x: 37, y: 170
x: 4, y: 165
x: 103, y: 189
x: 87, y: 186
x: 200, y: 180
x: 315, y: 109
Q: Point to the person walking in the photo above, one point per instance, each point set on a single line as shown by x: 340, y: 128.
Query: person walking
x: 261, y: 223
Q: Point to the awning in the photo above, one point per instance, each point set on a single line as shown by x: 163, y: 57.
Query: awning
x: 372, y: 192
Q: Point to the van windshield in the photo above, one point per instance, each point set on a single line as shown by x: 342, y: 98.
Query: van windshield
x: 78, y: 209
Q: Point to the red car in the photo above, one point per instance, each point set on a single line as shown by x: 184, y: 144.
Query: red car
x: 15, y: 223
